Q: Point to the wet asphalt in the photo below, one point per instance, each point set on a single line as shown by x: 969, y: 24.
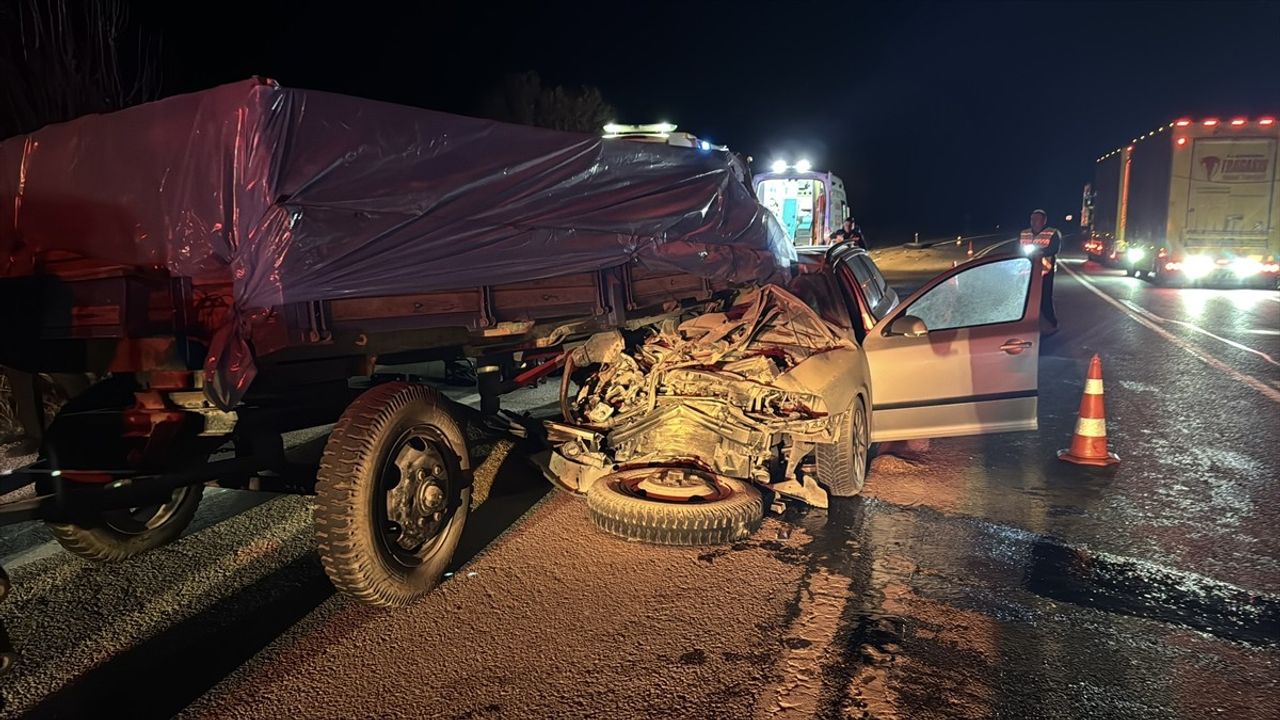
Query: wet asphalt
x: 976, y: 577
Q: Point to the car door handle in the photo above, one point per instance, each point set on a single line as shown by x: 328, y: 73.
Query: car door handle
x: 1015, y: 346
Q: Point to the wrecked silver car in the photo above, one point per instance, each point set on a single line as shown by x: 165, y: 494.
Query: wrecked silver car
x: 678, y: 424
x: 694, y: 413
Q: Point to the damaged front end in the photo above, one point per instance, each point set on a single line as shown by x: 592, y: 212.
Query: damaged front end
x: 746, y: 393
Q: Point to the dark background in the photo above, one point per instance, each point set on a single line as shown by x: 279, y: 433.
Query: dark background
x: 941, y: 117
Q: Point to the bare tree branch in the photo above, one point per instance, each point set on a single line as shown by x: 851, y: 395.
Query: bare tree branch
x: 60, y: 59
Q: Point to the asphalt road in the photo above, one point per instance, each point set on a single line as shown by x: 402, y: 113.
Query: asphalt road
x: 977, y: 577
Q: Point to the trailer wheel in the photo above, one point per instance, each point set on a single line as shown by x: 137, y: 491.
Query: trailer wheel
x: 392, y: 495
x: 675, y: 506
x: 842, y: 466
x: 121, y: 534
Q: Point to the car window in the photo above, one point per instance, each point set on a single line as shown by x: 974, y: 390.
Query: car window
x: 876, y: 275
x: 983, y: 295
x: 872, y: 291
x: 817, y: 291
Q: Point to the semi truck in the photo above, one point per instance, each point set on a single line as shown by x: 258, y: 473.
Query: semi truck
x: 1191, y: 202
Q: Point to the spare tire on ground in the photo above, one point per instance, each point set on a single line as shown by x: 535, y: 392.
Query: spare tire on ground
x: 675, y: 506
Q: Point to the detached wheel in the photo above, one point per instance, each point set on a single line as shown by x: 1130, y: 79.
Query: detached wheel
x: 392, y: 495
x: 675, y: 506
x: 121, y: 534
x: 842, y: 466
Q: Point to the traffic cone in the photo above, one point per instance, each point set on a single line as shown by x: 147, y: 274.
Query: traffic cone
x: 1089, y: 443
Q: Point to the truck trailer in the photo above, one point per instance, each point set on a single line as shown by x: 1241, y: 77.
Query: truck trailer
x: 1192, y: 202
x: 233, y: 264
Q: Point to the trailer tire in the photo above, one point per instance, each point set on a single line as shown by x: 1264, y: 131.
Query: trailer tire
x: 119, y: 535
x: 724, y: 520
x: 396, y: 451
x: 842, y: 466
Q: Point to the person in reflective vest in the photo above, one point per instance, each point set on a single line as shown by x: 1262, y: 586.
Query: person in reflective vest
x: 1044, y: 241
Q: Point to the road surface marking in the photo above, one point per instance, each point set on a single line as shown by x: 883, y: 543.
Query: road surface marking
x: 1139, y: 309
x: 1266, y: 390
x: 990, y: 248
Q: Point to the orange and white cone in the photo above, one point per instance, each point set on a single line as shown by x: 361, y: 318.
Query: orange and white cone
x: 1089, y: 443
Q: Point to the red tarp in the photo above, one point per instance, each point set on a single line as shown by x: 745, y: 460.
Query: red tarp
x: 302, y: 195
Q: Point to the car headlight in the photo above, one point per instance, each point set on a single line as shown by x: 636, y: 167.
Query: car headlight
x: 1196, y: 266
x: 1244, y: 267
x: 1135, y: 254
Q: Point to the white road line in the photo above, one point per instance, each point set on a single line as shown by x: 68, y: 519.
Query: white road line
x: 1139, y: 309
x: 990, y: 248
x: 1266, y: 390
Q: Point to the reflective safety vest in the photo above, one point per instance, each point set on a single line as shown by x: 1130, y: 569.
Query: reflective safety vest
x: 1041, y: 240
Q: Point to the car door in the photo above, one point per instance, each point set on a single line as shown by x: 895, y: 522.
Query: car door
x: 960, y: 355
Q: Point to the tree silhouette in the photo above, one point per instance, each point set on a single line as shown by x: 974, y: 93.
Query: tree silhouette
x: 523, y: 99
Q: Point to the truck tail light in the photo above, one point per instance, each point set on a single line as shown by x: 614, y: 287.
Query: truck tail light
x: 1210, y: 122
x: 1238, y: 122
x: 1266, y: 122
x: 1181, y: 141
x: 1182, y: 123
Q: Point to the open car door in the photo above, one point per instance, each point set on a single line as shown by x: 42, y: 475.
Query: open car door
x: 960, y: 355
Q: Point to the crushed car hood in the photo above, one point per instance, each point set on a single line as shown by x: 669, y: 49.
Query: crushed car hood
x: 743, y: 393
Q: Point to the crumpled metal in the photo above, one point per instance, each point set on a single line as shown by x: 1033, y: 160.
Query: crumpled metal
x: 717, y: 391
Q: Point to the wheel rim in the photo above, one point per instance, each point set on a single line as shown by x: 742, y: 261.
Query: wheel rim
x: 414, y: 499
x: 676, y: 485
x: 860, y: 443
x: 138, y: 520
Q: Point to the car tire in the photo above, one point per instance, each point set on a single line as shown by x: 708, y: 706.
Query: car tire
x: 842, y: 466
x: 616, y: 509
x: 118, y: 535
x: 392, y: 495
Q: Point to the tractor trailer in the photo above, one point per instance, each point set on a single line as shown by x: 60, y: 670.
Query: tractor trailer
x: 1192, y: 202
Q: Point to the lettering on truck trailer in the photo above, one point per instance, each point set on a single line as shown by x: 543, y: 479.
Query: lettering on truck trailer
x: 1236, y: 169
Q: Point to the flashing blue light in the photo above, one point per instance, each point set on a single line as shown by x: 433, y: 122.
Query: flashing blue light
x: 704, y: 144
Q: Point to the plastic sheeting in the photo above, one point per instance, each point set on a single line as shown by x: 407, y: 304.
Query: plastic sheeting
x: 301, y: 195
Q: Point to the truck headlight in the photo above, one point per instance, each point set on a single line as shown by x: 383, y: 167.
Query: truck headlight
x: 1244, y: 267
x: 1135, y: 255
x: 1197, y: 266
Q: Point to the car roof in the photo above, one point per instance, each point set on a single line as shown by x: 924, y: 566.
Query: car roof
x: 817, y: 255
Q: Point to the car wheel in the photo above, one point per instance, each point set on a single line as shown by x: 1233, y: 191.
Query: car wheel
x: 118, y: 535
x: 842, y: 466
x: 675, y: 506
x: 392, y: 495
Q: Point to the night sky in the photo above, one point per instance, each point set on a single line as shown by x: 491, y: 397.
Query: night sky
x: 941, y: 117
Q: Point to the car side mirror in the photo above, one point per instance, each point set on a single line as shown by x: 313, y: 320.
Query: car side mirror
x: 908, y: 325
